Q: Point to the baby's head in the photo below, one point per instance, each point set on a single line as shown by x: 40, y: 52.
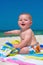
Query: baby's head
x: 25, y: 21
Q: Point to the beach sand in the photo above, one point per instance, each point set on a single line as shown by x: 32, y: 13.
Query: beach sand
x: 4, y: 39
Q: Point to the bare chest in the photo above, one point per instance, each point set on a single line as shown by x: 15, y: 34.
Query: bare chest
x: 22, y: 35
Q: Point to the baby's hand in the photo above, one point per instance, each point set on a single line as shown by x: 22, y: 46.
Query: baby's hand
x: 7, y: 33
x: 15, y: 45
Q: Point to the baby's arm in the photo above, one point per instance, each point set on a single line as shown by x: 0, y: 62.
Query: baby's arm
x: 13, y: 32
x: 24, y: 42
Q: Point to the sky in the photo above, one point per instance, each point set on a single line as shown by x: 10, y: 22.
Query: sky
x: 11, y: 9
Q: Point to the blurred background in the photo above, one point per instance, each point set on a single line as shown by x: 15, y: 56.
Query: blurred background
x: 11, y: 9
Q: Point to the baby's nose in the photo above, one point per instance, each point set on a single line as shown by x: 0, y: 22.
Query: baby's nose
x: 23, y: 22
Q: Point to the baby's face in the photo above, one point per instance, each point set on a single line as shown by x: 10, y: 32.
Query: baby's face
x: 24, y: 21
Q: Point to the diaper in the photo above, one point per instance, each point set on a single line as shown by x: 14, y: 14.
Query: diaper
x: 32, y: 50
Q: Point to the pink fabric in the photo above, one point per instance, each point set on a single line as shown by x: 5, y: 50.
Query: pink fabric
x: 1, y: 59
x: 19, y: 62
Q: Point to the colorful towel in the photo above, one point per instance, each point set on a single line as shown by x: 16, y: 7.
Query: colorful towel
x: 34, y: 56
x: 8, y: 50
x: 20, y: 59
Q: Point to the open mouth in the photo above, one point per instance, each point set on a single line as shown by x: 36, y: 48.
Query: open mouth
x: 23, y: 24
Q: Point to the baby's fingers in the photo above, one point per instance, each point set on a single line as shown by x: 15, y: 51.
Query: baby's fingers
x: 6, y: 32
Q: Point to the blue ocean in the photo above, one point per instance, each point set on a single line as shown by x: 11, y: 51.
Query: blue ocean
x: 11, y: 9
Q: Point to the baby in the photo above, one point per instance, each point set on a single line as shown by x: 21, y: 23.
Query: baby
x: 28, y: 40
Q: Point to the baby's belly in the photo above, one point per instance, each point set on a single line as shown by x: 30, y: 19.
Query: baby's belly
x: 30, y: 42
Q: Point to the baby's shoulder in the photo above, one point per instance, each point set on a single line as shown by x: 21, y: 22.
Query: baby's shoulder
x: 29, y: 30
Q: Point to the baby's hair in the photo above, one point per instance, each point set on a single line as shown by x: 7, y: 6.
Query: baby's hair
x: 30, y: 17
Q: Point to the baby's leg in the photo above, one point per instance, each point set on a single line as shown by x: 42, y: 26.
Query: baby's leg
x: 24, y: 50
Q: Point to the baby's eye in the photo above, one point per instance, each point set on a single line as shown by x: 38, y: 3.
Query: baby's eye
x: 26, y: 20
x: 20, y: 20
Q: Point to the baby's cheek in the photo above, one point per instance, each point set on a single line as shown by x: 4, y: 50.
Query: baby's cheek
x: 27, y: 22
